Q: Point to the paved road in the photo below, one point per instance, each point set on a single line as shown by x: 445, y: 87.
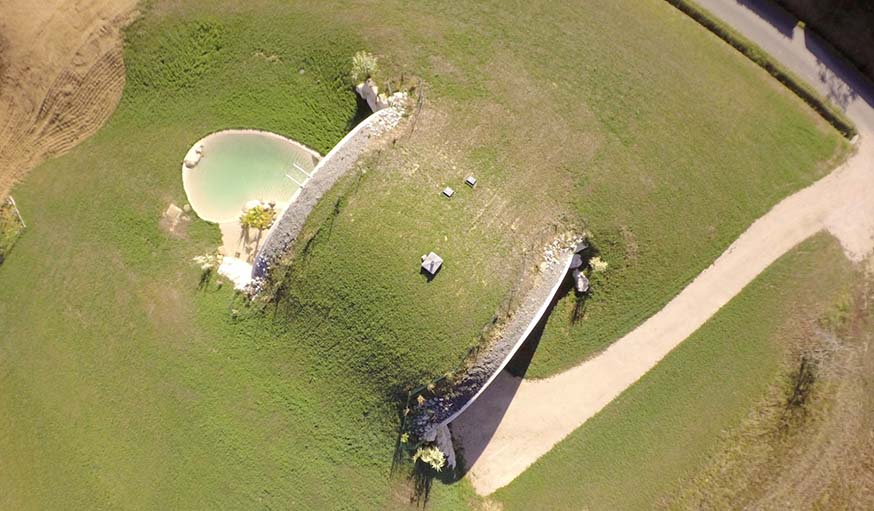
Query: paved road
x: 804, y: 54
x: 515, y: 422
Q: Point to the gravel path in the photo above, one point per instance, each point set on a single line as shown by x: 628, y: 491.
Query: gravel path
x: 516, y: 422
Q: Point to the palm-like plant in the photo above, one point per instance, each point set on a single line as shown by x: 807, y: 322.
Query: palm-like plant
x: 431, y: 456
x: 259, y: 217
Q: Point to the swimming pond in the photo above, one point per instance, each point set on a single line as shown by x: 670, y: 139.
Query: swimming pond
x: 225, y: 170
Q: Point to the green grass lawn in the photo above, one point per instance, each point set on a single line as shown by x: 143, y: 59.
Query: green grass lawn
x: 659, y: 433
x: 624, y: 117
x: 126, y: 387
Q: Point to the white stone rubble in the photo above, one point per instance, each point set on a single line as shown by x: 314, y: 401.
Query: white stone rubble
x: 553, y: 252
x: 237, y: 271
x: 194, y: 155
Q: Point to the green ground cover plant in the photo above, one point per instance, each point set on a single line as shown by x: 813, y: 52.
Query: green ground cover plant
x: 127, y: 385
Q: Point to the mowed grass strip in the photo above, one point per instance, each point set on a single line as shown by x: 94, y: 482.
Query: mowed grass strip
x: 661, y: 431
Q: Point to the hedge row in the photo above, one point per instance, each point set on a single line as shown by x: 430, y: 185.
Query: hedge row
x: 822, y: 106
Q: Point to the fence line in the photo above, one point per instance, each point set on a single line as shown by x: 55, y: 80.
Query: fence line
x: 11, y: 201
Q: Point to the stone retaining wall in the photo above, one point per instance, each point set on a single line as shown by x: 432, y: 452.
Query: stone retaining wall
x: 282, y: 235
x: 438, y: 411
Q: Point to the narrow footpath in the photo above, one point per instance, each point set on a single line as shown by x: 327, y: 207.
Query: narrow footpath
x: 533, y: 416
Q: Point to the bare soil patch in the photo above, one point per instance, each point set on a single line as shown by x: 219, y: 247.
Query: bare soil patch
x: 174, y: 221
x: 61, y: 76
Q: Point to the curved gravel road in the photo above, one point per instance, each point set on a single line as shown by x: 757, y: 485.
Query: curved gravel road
x: 541, y: 413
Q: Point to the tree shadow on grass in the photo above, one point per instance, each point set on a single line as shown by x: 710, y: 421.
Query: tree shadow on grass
x: 422, y: 481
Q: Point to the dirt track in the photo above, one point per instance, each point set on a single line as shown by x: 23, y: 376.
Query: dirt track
x: 61, y: 76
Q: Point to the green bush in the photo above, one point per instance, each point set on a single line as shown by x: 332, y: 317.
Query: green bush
x: 364, y: 66
x: 259, y: 217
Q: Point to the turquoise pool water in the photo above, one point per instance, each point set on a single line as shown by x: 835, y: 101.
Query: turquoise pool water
x: 239, y: 166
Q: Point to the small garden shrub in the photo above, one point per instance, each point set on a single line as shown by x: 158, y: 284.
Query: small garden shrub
x: 364, y: 66
x: 598, y: 265
x: 431, y: 456
x: 259, y: 217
